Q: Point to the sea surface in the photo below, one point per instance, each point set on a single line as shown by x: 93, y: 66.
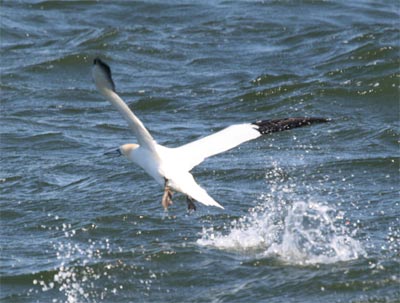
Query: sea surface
x: 311, y: 214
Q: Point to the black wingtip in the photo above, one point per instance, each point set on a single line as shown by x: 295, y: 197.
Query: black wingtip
x: 100, y: 62
x: 107, y: 70
x: 271, y: 126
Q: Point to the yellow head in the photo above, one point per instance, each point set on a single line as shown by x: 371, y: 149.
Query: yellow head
x: 127, y: 149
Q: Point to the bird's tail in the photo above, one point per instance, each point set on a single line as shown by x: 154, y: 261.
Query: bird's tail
x: 187, y: 185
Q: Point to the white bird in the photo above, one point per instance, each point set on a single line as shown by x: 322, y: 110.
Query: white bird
x: 171, y: 167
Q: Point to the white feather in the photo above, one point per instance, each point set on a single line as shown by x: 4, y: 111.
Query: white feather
x: 106, y: 89
x: 194, y: 153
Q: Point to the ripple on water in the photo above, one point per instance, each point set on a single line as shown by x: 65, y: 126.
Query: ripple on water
x: 80, y: 227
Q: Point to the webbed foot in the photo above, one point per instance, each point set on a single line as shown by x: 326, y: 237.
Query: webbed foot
x: 190, y: 204
x: 167, y: 196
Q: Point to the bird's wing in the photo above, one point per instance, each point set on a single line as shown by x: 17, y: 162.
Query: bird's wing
x: 142, y: 135
x: 186, y: 184
x: 102, y: 76
x: 195, y: 152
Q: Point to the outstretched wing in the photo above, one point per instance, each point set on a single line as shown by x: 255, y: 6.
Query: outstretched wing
x: 195, y: 152
x: 102, y: 77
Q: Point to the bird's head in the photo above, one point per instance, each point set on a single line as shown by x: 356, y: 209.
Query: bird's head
x: 124, y: 150
x: 127, y: 149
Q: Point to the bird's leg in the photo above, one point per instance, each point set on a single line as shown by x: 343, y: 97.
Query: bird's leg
x: 190, y: 203
x: 167, y: 197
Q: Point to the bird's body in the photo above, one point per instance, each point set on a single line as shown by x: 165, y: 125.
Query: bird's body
x: 170, y: 167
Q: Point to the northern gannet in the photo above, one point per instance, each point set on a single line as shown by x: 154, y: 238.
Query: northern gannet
x: 171, y: 167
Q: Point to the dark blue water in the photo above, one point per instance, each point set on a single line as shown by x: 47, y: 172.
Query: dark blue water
x: 311, y: 215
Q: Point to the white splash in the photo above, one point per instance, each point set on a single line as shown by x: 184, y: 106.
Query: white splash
x: 311, y: 235
x: 75, y: 277
x: 296, y: 232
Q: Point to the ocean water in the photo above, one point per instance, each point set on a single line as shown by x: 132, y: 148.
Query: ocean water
x: 311, y: 214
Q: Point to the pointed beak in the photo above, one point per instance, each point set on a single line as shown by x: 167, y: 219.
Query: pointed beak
x: 113, y: 152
